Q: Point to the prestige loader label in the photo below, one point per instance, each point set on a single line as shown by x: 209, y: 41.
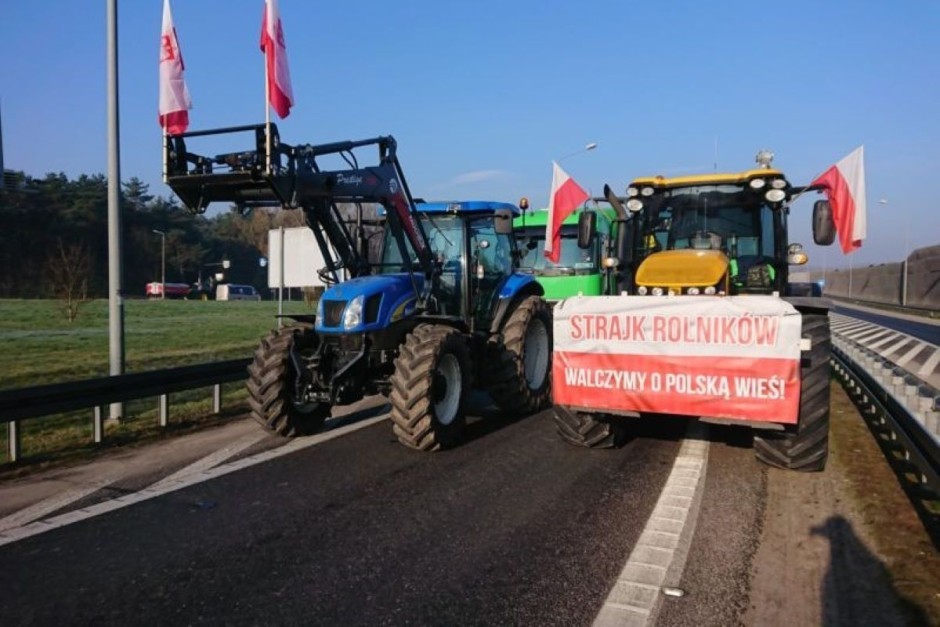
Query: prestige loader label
x: 727, y: 357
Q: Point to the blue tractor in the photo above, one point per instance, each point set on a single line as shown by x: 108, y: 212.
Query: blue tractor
x: 442, y: 311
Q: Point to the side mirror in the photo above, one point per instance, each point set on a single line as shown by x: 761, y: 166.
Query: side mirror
x: 824, y: 228
x: 503, y: 222
x: 587, y: 226
x: 625, y: 235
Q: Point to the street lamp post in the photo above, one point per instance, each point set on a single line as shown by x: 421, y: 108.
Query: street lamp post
x: 587, y: 147
x: 162, y: 263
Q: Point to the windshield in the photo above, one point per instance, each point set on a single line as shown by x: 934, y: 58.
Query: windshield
x: 572, y: 260
x: 729, y: 218
x: 445, y: 234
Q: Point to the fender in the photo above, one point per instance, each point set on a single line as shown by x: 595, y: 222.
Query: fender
x: 516, y: 288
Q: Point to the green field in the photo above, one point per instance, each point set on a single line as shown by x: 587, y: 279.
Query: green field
x: 38, y: 346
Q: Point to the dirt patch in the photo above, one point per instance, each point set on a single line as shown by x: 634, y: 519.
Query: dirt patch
x: 844, y: 546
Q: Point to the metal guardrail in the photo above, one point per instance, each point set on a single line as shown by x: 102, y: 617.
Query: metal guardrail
x: 44, y: 400
x: 898, y: 400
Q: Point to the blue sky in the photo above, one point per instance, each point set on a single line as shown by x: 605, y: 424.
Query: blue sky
x: 482, y: 95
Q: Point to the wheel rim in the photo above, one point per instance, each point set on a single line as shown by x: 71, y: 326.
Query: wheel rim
x: 446, y: 389
x: 536, y: 354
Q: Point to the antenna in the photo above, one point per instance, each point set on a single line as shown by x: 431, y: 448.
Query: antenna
x: 716, y: 153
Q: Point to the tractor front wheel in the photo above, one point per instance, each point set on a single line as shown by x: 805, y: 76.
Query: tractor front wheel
x: 272, y: 390
x: 805, y: 445
x: 429, y: 388
x: 587, y: 430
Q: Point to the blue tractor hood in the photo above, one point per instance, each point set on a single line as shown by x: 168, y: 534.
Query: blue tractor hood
x: 383, y: 299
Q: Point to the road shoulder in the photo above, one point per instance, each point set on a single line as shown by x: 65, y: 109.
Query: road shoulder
x: 844, y: 546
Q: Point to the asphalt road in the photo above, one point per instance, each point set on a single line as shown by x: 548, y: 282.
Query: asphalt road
x: 513, y: 527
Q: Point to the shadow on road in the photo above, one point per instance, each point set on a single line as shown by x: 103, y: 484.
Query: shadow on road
x: 857, y: 589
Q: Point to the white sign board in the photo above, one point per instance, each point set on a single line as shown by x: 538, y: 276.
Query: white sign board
x: 300, y: 260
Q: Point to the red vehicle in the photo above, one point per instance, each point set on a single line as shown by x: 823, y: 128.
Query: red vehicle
x: 173, y: 290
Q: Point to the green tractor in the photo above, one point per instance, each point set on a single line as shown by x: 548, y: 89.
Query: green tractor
x: 589, y: 270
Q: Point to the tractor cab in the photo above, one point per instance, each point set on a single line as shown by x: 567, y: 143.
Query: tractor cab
x: 720, y: 234
x: 473, y: 249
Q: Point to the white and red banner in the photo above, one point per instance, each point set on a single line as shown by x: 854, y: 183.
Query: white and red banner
x: 280, y: 92
x: 565, y: 198
x: 844, y: 186
x: 173, y: 110
x: 725, y: 357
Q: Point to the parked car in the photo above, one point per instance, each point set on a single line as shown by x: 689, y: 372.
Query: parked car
x: 230, y: 291
x: 173, y: 290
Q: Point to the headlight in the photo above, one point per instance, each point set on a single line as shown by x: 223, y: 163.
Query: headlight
x: 353, y: 314
x: 642, y: 290
x: 710, y: 290
x: 657, y: 291
x: 778, y: 183
x: 693, y: 291
x: 634, y: 204
x: 610, y: 262
x: 646, y: 191
x: 632, y: 191
x: 756, y: 183
x: 775, y: 195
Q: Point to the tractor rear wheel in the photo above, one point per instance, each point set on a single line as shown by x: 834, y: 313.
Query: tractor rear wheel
x: 429, y: 388
x: 805, y: 445
x: 587, y: 430
x: 272, y: 394
x: 520, y: 379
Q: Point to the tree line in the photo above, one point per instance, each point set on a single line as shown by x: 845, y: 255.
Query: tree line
x: 54, y: 236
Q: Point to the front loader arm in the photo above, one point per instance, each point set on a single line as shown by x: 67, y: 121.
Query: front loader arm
x: 291, y: 177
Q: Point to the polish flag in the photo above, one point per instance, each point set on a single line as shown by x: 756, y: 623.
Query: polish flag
x: 565, y: 198
x: 844, y: 185
x: 174, y: 97
x: 280, y: 93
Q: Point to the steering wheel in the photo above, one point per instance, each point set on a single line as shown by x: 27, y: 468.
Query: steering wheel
x: 705, y: 240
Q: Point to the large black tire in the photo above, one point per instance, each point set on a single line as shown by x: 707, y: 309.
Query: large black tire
x: 588, y: 430
x: 429, y: 388
x: 520, y: 377
x: 805, y: 446
x: 271, y: 378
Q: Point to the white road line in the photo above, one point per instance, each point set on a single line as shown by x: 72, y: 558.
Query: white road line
x: 10, y: 536
x: 930, y: 364
x: 211, y: 461
x: 865, y: 338
x: 888, y: 338
x: 909, y: 355
x: 846, y: 325
x: 49, y: 505
x: 635, y: 594
x: 895, y: 347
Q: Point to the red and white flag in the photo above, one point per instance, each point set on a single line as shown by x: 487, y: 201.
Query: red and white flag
x: 174, y: 97
x: 280, y: 93
x: 844, y: 185
x: 565, y: 198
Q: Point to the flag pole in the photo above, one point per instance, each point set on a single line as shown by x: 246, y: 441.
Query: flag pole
x: 267, y: 87
x: 267, y: 109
